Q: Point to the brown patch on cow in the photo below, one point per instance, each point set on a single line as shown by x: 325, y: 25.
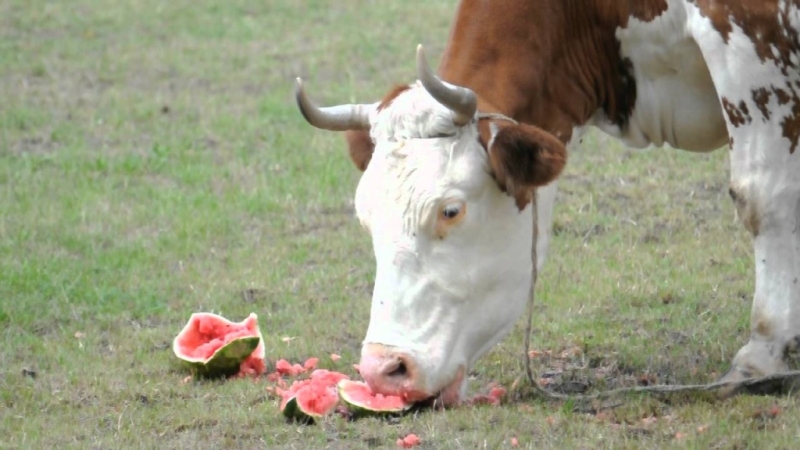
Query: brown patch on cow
x: 647, y: 10
x: 360, y: 147
x: 730, y: 141
x: 767, y: 23
x: 791, y: 128
x: 791, y: 124
x: 523, y: 157
x: 762, y: 327
x: 549, y: 64
x: 745, y: 112
x: 737, y: 115
x: 761, y: 99
x: 783, y: 96
x: 746, y: 209
x: 392, y: 94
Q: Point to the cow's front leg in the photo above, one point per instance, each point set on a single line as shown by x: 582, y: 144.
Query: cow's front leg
x: 545, y: 202
x: 765, y: 187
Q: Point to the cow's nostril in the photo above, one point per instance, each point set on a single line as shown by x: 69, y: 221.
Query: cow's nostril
x: 396, y: 368
x: 400, y: 371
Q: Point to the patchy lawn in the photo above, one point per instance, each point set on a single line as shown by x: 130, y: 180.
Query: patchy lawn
x: 153, y: 164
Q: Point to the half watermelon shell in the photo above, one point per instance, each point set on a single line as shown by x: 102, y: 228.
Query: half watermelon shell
x: 211, y: 345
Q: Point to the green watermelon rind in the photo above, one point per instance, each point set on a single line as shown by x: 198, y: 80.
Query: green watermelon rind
x: 227, y: 360
x: 291, y: 410
x: 359, y: 410
x: 294, y: 410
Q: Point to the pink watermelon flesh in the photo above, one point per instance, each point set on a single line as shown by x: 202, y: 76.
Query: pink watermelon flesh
x: 253, y: 365
x: 321, y: 384
x: 360, y: 394
x: 317, y: 399
x: 316, y: 395
x: 327, y: 377
x: 288, y: 394
x: 319, y: 394
x: 207, y: 333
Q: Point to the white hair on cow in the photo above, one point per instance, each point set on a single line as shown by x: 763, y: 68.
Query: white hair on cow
x: 408, y: 184
x: 413, y: 176
x: 413, y: 114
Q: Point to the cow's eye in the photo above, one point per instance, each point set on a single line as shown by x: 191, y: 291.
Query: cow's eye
x: 450, y: 214
x: 451, y: 211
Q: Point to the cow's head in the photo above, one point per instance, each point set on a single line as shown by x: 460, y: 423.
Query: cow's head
x: 444, y: 199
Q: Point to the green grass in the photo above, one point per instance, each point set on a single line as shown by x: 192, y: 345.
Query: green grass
x: 153, y: 164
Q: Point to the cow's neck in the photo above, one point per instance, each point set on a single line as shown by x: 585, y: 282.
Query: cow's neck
x: 551, y: 64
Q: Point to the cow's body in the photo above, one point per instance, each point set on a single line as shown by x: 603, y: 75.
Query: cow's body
x: 692, y: 74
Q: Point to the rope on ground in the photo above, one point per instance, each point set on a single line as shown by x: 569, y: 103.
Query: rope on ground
x: 734, y: 386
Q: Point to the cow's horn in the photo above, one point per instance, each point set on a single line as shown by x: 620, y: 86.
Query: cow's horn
x: 334, y: 118
x: 460, y: 100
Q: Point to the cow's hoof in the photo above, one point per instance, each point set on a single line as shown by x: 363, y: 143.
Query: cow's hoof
x: 735, y: 376
x: 743, y: 381
x: 750, y: 366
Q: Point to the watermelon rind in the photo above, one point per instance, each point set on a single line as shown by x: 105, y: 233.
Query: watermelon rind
x: 359, y: 409
x: 227, y: 360
x: 294, y: 410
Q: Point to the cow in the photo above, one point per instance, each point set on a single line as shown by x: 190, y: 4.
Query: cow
x: 453, y: 161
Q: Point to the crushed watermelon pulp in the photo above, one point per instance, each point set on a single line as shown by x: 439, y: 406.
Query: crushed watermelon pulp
x: 319, y: 392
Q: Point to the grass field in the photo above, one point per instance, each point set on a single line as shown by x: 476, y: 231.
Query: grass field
x: 153, y: 164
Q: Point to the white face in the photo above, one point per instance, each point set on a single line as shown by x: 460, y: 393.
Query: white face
x: 452, y: 250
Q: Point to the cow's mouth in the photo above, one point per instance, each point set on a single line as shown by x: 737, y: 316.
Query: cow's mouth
x: 449, y: 396
x: 392, y: 373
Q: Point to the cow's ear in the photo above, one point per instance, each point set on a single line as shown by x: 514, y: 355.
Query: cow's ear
x: 523, y: 157
x: 360, y: 146
x: 359, y: 143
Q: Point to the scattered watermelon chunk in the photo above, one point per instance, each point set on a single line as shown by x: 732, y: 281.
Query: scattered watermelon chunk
x: 324, y: 392
x: 411, y: 440
x: 284, y: 367
x: 310, y: 364
x: 311, y: 398
x: 494, y: 397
